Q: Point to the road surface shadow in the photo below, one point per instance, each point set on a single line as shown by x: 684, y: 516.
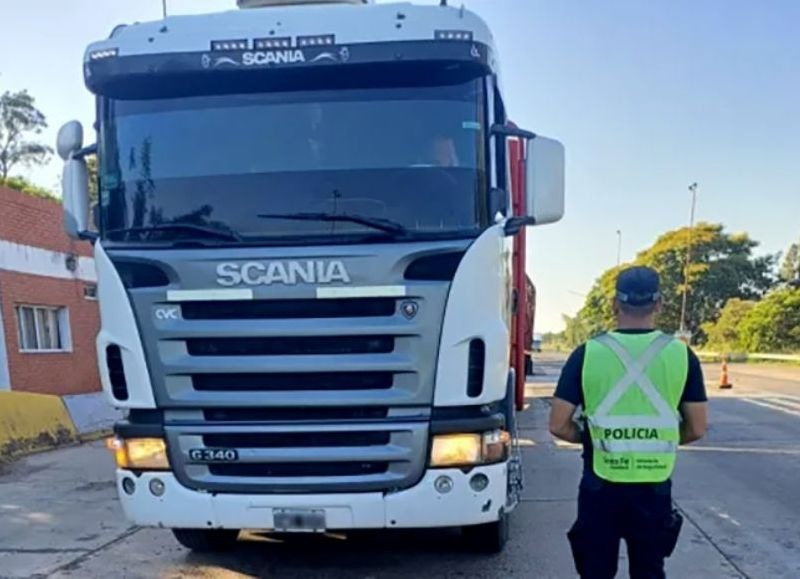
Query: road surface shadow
x: 396, y: 553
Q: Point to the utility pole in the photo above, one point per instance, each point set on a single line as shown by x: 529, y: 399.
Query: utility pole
x: 693, y: 190
x: 619, y: 247
x: 164, y: 7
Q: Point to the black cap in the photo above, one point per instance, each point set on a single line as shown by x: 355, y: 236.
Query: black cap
x: 638, y: 286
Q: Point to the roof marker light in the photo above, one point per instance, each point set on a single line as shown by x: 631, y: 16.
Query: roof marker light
x: 102, y: 54
x: 271, y: 43
x: 321, y: 40
x: 220, y: 45
x: 464, y: 35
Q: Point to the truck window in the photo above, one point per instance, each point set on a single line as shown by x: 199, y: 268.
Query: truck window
x: 415, y: 156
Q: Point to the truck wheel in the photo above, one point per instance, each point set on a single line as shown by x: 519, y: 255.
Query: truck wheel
x: 489, y: 538
x: 206, y: 540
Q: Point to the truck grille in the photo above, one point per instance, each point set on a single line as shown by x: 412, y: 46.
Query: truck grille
x: 310, y: 346
x: 289, y: 309
x: 297, y: 414
x: 300, y: 457
x: 308, y: 469
x: 296, y: 439
x: 296, y: 381
x: 314, y: 395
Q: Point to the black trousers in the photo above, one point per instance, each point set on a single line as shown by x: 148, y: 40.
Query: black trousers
x: 641, y: 514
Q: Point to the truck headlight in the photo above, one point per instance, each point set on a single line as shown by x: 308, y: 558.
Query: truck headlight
x: 140, y: 453
x: 470, y: 448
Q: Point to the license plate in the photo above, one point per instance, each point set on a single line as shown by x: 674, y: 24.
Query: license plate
x: 299, y: 520
x: 213, y: 455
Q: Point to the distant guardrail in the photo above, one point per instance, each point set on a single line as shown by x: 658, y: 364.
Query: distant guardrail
x: 744, y: 357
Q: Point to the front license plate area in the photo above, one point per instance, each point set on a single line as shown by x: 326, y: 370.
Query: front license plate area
x: 299, y: 520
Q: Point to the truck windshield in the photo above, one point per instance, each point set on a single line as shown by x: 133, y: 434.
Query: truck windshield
x: 415, y: 157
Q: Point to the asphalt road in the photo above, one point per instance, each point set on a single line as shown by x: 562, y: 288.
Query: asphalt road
x: 739, y: 491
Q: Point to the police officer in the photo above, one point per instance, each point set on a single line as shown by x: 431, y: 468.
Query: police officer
x: 630, y: 396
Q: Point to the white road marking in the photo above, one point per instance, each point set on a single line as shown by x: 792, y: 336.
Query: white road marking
x: 791, y: 402
x: 790, y: 406
x: 745, y: 450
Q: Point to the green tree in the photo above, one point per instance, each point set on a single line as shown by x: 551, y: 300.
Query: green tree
x: 575, y: 332
x: 91, y: 166
x: 773, y: 325
x: 19, y: 120
x: 725, y: 333
x: 25, y: 186
x: 722, y: 267
x: 790, y: 268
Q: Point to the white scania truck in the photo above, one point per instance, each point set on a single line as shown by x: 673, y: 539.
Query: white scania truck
x: 309, y: 266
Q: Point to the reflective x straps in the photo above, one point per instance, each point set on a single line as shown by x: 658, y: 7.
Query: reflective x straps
x: 635, y: 373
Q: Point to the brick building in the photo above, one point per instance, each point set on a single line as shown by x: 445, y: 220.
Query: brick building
x: 48, y: 310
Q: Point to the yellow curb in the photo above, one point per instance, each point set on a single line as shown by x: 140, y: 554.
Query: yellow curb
x: 32, y: 422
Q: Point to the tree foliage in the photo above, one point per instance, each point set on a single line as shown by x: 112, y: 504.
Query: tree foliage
x: 576, y: 331
x: 91, y: 166
x: 722, y: 267
x: 773, y: 324
x: 19, y: 121
x: 25, y: 186
x: 790, y: 268
x: 725, y: 335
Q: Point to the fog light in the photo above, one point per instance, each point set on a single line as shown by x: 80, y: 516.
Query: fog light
x: 128, y: 486
x: 139, y: 453
x: 479, y: 482
x: 157, y: 487
x: 443, y: 485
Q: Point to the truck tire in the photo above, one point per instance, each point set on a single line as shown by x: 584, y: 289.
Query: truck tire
x: 488, y: 538
x: 206, y: 540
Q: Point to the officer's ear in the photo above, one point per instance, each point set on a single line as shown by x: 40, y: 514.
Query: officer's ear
x: 658, y: 307
x: 615, y: 307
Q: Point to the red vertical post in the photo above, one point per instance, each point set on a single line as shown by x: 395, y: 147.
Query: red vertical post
x: 520, y: 319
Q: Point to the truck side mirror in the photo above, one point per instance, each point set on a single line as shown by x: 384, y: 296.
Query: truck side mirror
x: 74, y: 181
x: 544, y: 180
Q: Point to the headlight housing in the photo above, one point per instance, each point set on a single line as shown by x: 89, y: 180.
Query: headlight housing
x: 140, y: 453
x: 469, y: 449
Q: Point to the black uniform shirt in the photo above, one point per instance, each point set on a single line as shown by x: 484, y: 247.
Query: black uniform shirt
x: 570, y: 389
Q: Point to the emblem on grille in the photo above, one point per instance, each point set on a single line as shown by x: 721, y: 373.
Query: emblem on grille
x: 283, y: 272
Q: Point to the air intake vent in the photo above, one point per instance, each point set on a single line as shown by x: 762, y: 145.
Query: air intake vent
x: 297, y: 439
x: 116, y: 373
x: 293, y: 382
x: 477, y: 362
x: 299, y: 469
x: 290, y: 309
x: 135, y: 275
x: 438, y: 267
x: 305, y: 414
x: 311, y: 346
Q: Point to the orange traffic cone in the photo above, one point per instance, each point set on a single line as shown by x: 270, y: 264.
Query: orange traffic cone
x: 724, y: 382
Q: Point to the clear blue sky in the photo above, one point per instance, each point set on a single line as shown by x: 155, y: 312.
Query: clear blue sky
x: 647, y: 96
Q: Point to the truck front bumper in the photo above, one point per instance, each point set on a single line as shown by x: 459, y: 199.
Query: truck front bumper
x: 419, y: 506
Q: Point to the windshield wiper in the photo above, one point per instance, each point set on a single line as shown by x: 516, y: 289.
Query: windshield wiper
x: 373, y: 222
x: 200, y: 230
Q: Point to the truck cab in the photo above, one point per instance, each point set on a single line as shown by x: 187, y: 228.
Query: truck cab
x: 304, y: 246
